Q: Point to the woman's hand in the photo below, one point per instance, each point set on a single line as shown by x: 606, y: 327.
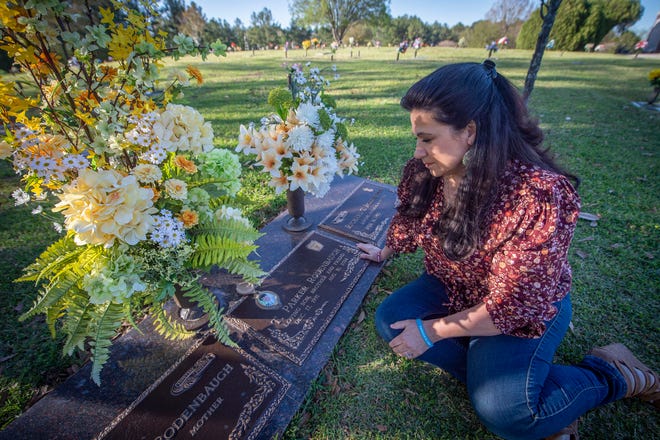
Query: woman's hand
x: 409, y: 342
x: 371, y: 252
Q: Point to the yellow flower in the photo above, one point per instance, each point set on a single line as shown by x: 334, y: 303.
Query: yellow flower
x: 188, y: 218
x: 654, y: 77
x: 195, y: 73
x: 101, y: 206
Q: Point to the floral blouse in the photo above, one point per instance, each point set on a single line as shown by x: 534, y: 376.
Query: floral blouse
x: 521, y: 269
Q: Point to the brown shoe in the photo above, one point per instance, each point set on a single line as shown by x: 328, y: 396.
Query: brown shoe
x: 641, y: 381
x: 568, y: 433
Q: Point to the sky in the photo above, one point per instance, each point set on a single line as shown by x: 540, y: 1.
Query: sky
x: 450, y: 12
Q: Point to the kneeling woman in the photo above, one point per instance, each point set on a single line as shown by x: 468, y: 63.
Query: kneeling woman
x: 495, y: 217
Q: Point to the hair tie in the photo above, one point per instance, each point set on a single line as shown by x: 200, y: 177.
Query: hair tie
x: 490, y: 68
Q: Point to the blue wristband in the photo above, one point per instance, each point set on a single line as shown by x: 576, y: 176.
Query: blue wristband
x: 420, y: 327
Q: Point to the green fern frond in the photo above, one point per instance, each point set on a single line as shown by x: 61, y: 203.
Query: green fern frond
x: 110, y: 318
x: 65, y: 281
x: 248, y: 269
x: 228, y: 228
x: 51, y: 294
x: 207, y: 301
x: 53, y: 313
x: 217, y: 202
x: 77, y: 323
x: 212, y: 250
x: 128, y: 314
x: 56, y: 256
x: 167, y: 327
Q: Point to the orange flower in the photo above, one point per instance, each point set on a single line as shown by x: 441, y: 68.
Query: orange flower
x: 195, y: 73
x: 187, y: 165
x: 156, y: 193
x: 188, y: 218
x: 109, y: 72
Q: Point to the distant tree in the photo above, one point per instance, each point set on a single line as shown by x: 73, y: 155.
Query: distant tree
x: 581, y: 22
x: 192, y: 22
x: 621, y: 13
x: 263, y: 31
x: 221, y: 30
x: 407, y: 28
x: 481, y: 33
x: 297, y: 34
x: 171, y: 16
x: 339, y: 15
x: 508, y: 13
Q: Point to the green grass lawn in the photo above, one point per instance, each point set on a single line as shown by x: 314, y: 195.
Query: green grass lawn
x: 584, y: 104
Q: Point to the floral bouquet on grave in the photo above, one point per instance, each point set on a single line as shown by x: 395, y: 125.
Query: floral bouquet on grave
x: 146, y: 198
x: 304, y: 143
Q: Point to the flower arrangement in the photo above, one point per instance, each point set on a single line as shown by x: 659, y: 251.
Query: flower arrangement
x: 145, y: 196
x: 304, y: 144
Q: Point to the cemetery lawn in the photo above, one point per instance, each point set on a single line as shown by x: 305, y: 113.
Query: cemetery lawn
x: 583, y: 101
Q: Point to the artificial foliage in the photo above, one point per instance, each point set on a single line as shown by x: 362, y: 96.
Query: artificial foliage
x: 144, y: 201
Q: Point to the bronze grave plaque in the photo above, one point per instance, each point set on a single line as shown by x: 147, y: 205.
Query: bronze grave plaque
x: 213, y: 392
x: 365, y: 215
x: 310, y: 285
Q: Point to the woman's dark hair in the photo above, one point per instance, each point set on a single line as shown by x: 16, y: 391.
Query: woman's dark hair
x: 457, y: 94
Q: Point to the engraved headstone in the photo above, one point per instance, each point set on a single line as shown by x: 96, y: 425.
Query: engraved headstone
x: 214, y: 392
x: 311, y: 284
x: 365, y: 215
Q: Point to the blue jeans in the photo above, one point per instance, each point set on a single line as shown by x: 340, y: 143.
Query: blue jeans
x: 515, y: 389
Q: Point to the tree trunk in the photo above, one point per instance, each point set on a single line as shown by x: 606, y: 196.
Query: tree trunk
x: 548, y: 21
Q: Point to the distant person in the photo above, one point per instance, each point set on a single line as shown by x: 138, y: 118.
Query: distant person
x: 492, y: 47
x: 494, y: 216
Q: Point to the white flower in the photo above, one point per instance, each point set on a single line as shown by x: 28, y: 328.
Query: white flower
x: 228, y: 213
x: 177, y: 189
x: 300, y: 177
x: 271, y: 162
x: 300, y: 138
x: 326, y: 139
x: 147, y: 173
x: 20, y: 197
x: 309, y: 113
x: 246, y: 140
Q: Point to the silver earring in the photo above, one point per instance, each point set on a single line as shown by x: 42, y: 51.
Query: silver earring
x: 467, y: 157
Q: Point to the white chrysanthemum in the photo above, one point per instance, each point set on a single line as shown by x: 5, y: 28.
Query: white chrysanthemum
x: 309, y: 113
x: 176, y: 189
x: 326, y: 139
x: 147, y: 173
x: 300, y: 138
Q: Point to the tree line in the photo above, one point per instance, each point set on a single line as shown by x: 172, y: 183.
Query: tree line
x: 368, y: 22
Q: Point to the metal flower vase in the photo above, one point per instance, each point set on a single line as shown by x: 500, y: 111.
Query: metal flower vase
x: 295, y: 204
x: 188, y: 313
